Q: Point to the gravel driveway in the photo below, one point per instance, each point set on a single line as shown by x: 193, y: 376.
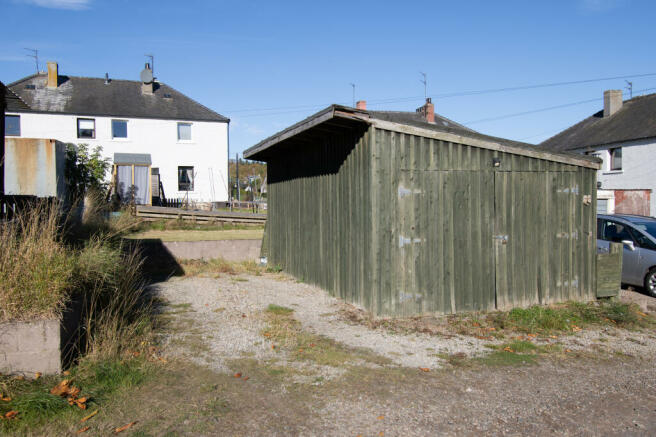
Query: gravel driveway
x: 221, y: 321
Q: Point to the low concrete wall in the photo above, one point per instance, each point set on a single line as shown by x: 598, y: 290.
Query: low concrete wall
x: 230, y: 250
x: 29, y: 347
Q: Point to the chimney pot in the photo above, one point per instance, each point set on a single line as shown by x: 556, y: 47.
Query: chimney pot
x: 612, y: 102
x: 361, y: 104
x: 428, y: 110
x: 53, y: 75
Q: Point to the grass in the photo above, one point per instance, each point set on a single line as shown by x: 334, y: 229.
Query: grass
x: 189, y: 225
x: 286, y: 332
x: 36, y: 268
x: 99, y: 381
x: 218, y: 266
x: 199, y: 235
x: 572, y: 316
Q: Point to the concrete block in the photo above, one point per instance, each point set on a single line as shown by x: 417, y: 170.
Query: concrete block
x: 31, y: 362
x: 30, y: 347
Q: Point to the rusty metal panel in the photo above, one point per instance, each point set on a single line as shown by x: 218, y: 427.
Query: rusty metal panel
x: 34, y: 167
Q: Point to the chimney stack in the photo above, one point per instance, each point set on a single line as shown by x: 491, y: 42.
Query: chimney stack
x: 612, y: 102
x: 361, y: 104
x: 53, y: 75
x: 427, y: 111
x: 147, y: 80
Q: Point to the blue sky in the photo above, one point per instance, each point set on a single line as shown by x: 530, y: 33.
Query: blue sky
x: 269, y: 64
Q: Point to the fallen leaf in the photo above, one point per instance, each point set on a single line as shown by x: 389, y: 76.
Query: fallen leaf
x: 381, y: 417
x: 67, y: 372
x: 60, y: 389
x: 243, y: 315
x: 11, y: 414
x: 273, y: 346
x: 381, y: 434
x: 124, y: 427
x: 507, y: 349
x: 37, y: 375
x: 568, y: 350
x: 491, y: 328
x: 85, y: 418
x: 237, y: 375
x: 245, y: 378
x: 6, y: 398
x: 300, y: 350
x: 81, y: 430
x: 531, y: 335
x: 312, y: 345
x: 641, y: 314
x: 476, y: 324
x: 19, y: 378
x: 424, y: 369
x: 553, y: 336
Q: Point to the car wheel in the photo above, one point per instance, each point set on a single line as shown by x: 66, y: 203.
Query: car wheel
x: 650, y: 282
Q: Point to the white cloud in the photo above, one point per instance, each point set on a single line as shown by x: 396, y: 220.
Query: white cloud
x: 74, y: 5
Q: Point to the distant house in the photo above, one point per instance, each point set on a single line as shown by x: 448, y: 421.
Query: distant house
x: 406, y: 213
x: 187, y: 143
x: 623, y: 135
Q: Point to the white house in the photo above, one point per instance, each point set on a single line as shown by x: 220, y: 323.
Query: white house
x: 186, y: 141
x: 623, y: 135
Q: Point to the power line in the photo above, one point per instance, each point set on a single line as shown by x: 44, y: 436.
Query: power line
x: 451, y: 94
x: 548, y: 108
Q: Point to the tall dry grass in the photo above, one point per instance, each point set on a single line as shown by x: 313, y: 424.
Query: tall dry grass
x: 46, y: 262
x: 36, y: 269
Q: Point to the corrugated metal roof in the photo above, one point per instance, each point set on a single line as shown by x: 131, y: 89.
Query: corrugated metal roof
x: 635, y: 120
x: 132, y: 158
x: 120, y: 98
x: 409, y: 122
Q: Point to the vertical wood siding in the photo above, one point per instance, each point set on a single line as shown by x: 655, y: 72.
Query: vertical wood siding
x: 403, y: 225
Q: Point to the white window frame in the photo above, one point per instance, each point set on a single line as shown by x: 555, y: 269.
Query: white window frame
x: 112, y: 129
x: 177, y: 133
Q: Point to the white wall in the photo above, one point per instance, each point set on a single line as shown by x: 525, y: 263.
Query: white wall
x: 207, y: 151
x: 638, y: 170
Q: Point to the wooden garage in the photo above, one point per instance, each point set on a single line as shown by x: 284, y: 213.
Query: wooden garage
x: 406, y: 213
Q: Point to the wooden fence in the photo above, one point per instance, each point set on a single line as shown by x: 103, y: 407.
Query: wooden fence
x: 162, y: 213
x: 609, y: 271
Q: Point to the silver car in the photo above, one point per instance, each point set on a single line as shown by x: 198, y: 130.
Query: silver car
x: 638, y: 235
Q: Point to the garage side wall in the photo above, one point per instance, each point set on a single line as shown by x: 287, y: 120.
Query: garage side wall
x: 319, y: 225
x: 458, y: 233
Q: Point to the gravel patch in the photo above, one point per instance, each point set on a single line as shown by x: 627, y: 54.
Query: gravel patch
x: 228, y: 312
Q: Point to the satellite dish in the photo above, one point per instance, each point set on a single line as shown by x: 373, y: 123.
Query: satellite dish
x: 146, y: 75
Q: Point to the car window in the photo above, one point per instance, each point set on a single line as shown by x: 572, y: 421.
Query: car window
x: 614, y: 231
x: 642, y: 240
x: 648, y: 227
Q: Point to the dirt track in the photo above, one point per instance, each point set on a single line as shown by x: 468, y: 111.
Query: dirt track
x: 594, y: 391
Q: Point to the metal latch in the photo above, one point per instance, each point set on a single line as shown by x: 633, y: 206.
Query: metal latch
x: 503, y: 238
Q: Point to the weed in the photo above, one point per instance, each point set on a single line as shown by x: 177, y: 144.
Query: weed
x: 279, y: 310
x: 505, y: 358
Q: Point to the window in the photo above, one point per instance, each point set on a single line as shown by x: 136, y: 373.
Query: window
x: 616, y: 158
x: 119, y: 129
x: 613, y: 231
x: 185, y: 179
x: 86, y: 128
x: 12, y: 125
x: 184, y: 131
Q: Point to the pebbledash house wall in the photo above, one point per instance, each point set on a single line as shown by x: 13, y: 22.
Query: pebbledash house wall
x: 638, y: 157
x: 208, y: 148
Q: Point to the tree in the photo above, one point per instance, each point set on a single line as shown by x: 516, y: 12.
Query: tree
x: 85, y: 170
